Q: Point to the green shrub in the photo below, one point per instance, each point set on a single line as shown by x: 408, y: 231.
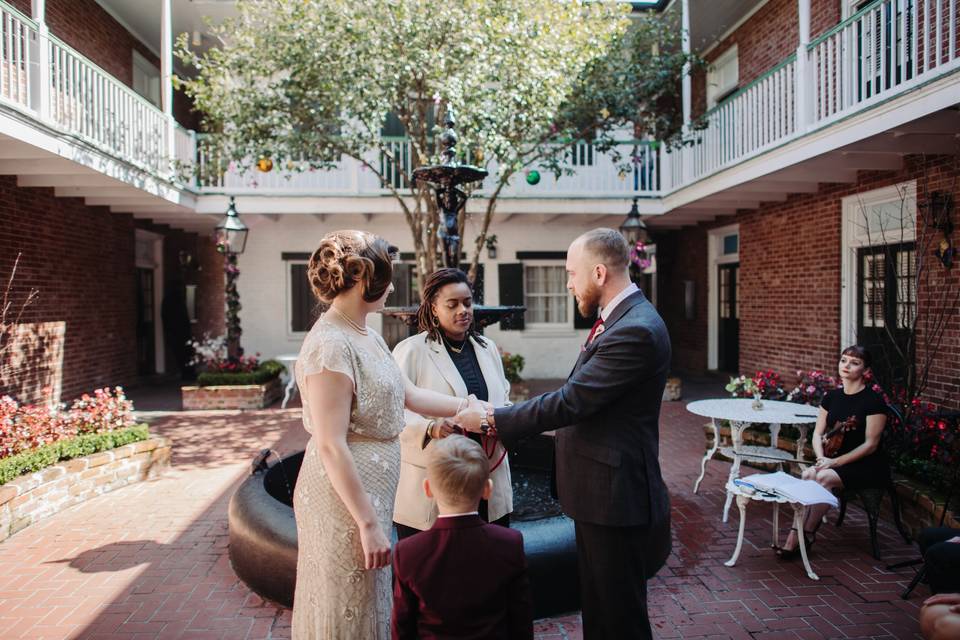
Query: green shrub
x: 266, y: 372
x: 48, y: 455
x: 512, y: 366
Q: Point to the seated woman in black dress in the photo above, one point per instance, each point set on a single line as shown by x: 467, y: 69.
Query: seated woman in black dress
x: 859, y: 462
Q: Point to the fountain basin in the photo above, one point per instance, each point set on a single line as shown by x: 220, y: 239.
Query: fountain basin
x: 263, y: 540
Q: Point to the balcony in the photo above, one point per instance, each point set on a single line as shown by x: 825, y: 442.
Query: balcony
x: 885, y: 51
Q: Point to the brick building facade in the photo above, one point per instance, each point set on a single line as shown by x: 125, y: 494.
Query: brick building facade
x: 81, y: 331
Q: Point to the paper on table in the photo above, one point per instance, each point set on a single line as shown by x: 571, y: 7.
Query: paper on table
x: 793, y: 489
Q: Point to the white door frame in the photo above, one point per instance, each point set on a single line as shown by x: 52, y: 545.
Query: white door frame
x: 153, y: 259
x: 854, y: 235
x: 715, y: 258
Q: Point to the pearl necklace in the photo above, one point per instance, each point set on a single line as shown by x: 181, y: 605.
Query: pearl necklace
x: 353, y: 325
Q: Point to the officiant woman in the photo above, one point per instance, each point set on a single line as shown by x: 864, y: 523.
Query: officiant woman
x: 448, y: 356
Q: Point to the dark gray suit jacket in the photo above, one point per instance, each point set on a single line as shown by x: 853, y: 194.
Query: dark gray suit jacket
x: 607, y: 420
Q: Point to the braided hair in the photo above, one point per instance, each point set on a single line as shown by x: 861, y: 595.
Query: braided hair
x: 426, y: 319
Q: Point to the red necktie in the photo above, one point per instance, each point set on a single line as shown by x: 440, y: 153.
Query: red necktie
x: 593, y: 331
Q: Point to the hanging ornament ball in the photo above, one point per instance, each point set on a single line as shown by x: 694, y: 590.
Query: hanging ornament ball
x: 478, y: 156
x: 265, y: 164
x: 533, y: 177
x: 291, y: 165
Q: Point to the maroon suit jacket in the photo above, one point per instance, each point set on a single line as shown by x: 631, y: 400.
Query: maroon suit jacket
x: 462, y: 578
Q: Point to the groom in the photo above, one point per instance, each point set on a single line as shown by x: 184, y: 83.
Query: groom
x: 607, y: 439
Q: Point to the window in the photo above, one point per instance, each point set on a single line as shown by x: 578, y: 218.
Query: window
x: 888, y: 287
x: 146, y: 79
x: 731, y: 244
x: 546, y: 296
x: 723, y: 76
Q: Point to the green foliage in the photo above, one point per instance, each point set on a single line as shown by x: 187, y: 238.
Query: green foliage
x: 267, y: 371
x: 512, y: 366
x: 305, y: 82
x: 47, y: 455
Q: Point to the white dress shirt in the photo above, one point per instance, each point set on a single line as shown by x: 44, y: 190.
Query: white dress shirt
x: 617, y: 299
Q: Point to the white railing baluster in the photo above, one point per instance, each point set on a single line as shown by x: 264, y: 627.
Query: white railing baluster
x: 939, y: 53
x: 882, y: 53
x: 953, y: 31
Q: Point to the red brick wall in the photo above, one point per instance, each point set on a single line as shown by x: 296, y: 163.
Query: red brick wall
x: 88, y: 28
x: 211, y: 306
x: 80, y: 259
x: 790, y: 276
x: 765, y: 39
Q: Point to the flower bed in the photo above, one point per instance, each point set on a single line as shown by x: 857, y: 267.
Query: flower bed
x: 96, y: 441
x: 230, y: 383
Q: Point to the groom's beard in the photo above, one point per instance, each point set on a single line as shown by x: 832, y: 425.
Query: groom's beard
x: 589, y: 301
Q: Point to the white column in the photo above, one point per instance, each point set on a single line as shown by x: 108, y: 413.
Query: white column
x: 39, y: 77
x: 166, y: 74
x: 803, y: 89
x: 686, y: 158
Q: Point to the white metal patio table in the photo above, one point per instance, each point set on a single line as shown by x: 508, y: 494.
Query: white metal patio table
x: 741, y: 415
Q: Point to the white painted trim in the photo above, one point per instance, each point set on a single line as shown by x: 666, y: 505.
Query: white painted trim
x: 736, y: 25
x: 715, y: 258
x: 852, y: 237
x: 158, y: 290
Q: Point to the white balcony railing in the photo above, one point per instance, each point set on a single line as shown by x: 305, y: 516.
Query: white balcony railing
x: 885, y: 49
x: 595, y: 174
x: 64, y: 89
x: 16, y: 34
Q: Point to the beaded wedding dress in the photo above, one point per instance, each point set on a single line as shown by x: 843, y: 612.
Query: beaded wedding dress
x: 335, y: 597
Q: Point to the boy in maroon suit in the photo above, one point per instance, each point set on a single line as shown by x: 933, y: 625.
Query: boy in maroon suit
x: 462, y: 578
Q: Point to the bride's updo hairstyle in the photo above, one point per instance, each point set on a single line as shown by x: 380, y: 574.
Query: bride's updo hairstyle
x: 347, y: 258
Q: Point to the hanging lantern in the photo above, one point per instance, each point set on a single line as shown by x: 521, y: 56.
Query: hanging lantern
x: 533, y: 177
x: 230, y: 234
x: 265, y: 164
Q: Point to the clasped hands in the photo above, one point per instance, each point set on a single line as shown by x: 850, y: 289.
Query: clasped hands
x: 470, y: 418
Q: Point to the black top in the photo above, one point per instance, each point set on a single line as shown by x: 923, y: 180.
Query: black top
x: 468, y: 366
x: 840, y: 407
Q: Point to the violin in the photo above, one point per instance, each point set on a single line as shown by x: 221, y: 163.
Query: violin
x: 832, y: 439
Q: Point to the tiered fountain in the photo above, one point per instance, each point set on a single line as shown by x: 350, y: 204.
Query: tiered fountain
x: 263, y: 533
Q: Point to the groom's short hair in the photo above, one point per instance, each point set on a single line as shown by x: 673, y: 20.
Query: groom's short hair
x: 457, y: 469
x: 607, y: 246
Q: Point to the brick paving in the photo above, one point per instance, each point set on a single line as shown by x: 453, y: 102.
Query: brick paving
x: 150, y: 562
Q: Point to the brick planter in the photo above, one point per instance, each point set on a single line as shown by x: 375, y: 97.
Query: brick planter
x: 245, y: 396
x: 36, y: 495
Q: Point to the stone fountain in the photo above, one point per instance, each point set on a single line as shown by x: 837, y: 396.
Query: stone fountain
x: 262, y: 528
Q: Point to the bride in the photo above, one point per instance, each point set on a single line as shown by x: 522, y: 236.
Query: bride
x: 353, y: 406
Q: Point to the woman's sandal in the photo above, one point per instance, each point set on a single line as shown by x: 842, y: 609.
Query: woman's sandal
x: 789, y: 554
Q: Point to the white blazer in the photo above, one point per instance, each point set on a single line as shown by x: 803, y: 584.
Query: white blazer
x: 427, y: 364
